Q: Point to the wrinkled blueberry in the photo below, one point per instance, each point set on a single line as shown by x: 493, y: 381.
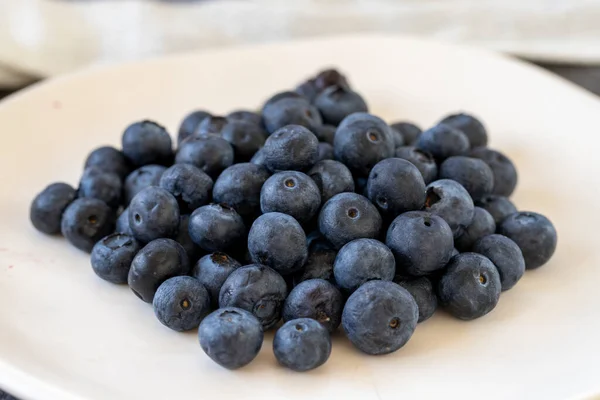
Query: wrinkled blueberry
x: 181, y: 303
x: 212, y: 270
x: 216, y: 227
x: 317, y: 299
x: 302, y: 344
x: 211, y: 153
x: 499, y: 207
x: 188, y: 184
x: 48, y: 206
x: 108, y: 159
x: 451, y: 201
x: 153, y: 214
x: 443, y: 141
x: 505, y: 173
x: 112, y: 257
x: 292, y: 193
x: 363, y: 260
x: 291, y: 148
x: 470, y: 126
x: 422, y: 291
x: 141, y: 178
x: 146, y: 142
x: 474, y: 174
x: 506, y: 256
x: 85, y: 221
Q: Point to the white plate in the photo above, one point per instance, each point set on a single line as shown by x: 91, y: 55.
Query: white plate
x: 65, y: 334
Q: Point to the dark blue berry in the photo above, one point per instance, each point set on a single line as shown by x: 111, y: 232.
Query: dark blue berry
x: 505, y: 173
x: 280, y: 96
x: 424, y: 161
x: 317, y: 299
x: 302, y: 344
x: 451, y: 201
x: 259, y: 158
x: 109, y: 159
x: 245, y: 137
x: 422, y: 291
x: 188, y: 184
x: 290, y: 111
x: 212, y: 270
x: 181, y: 303
x: 146, y: 142
x: 48, y: 206
x: 141, y: 178
x: 409, y: 133
x: 470, y: 126
x: 337, y: 102
x: 482, y: 225
x: 332, y: 177
x: 105, y: 186
x: 325, y: 151
x: 245, y: 116
x: 87, y: 220
x: 443, y: 141
x: 153, y: 214
x: 474, y: 174
x: 308, y: 89
x: 499, y: 207
x: 211, y: 153
x: 330, y: 77
x: 506, y: 256
x: 291, y: 148
x: 190, y: 124
x: 122, y: 225
x: 183, y: 238
x: 292, y: 193
x: 325, y: 133
x: 112, y: 257
x: 211, y: 124
x: 216, y: 227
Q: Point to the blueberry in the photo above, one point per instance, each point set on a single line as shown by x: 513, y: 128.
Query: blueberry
x: 112, y: 257
x: 153, y: 214
x: 188, y: 184
x: 319, y: 265
x: 330, y: 77
x: 122, y: 225
x: 190, y: 124
x: 48, y: 206
x: 451, y: 201
x: 231, y: 337
x: 325, y: 151
x: 380, y: 317
x: 212, y: 270
x: 216, y: 227
x: 422, y: 291
x: 181, y: 303
x: 420, y: 241
x: 85, y: 221
x: 396, y: 186
x: 245, y: 116
x: 337, y: 102
x: 316, y: 241
x: 290, y: 111
x: 183, y: 238
x: 141, y: 178
x: 278, y: 241
x: 363, y: 260
x: 146, y: 142
x: 239, y: 187
x: 212, y: 154
x: 258, y: 158
x: 349, y: 216
x: 443, y: 141
x: 505, y: 173
x: 332, y: 177
x: 292, y: 193
x: 424, y: 161
x: 482, y: 225
x: 211, y: 124
x: 361, y: 141
x: 470, y: 287
x: 499, y: 207
x: 108, y: 159
x: 308, y: 89
x: 533, y: 233
x: 506, y: 256
x: 156, y: 262
x: 317, y: 299
x: 280, y: 96
x: 470, y: 126
x: 291, y: 148
x: 105, y: 186
x: 257, y: 289
x: 302, y: 344
x: 245, y: 137
x: 409, y: 133
x: 325, y: 133
x: 474, y: 174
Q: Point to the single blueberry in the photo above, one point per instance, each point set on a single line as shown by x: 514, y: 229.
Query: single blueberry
x: 332, y: 177
x: 408, y: 131
x: 245, y: 137
x: 231, y: 337
x: 291, y: 148
x: 330, y: 77
x: 216, y: 227
x: 193, y: 251
x: 499, y: 207
x: 533, y: 233
x: 302, y: 344
x: 245, y: 116
x: 188, y: 184
x: 153, y: 214
x: 424, y: 161
x: 257, y: 289
x: 109, y: 159
x: 211, y: 124
x: 325, y: 133
x: 443, y: 141
x: 105, y: 186
x: 422, y: 291
x: 147, y: 142
x: 112, y: 257
x: 190, y: 124
x: 181, y: 303
x: 482, y: 225
x: 505, y: 173
x: 474, y: 174
x: 325, y: 151
x: 451, y: 201
x: 317, y: 299
x: 85, y: 221
x: 122, y: 225
x: 506, y: 256
x: 259, y: 158
x: 380, y: 317
x: 212, y: 270
x: 337, y: 102
x: 141, y: 178
x: 47, y: 208
x: 292, y: 193
x: 308, y: 89
x: 211, y: 153
x: 156, y: 262
x: 470, y: 126
x: 319, y: 265
x: 280, y: 96
x: 470, y: 287
x: 290, y: 111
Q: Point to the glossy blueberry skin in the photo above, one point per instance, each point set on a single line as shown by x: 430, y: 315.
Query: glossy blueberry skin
x: 482, y: 225
x: 408, y: 131
x: 332, y: 177
x: 245, y: 116
x: 141, y: 178
x: 363, y: 260
x: 109, y: 159
x: 188, y: 184
x: 122, y: 225
x: 424, y: 162
x: 505, y: 173
x: 290, y: 111
x: 212, y: 270
x: 470, y: 287
x: 190, y: 124
x: 291, y: 148
x: 499, y: 207
x: 421, y: 243
x: 245, y: 137
x: 451, y: 201
x: 474, y: 174
x: 211, y: 124
x: 112, y: 257
x: 292, y: 193
x: 156, y: 262
x: 349, y: 216
x: 325, y: 151
x: 47, y: 208
x: 325, y: 133
x: 317, y: 299
x: 181, y: 303
x: 153, y: 214
x: 506, y: 256
x: 319, y: 265
x: 85, y: 221
x: 147, y: 142
x: 380, y: 317
x: 330, y: 77
x: 470, y: 126
x: 257, y: 289
x: 422, y: 291
x: 105, y: 186
x: 302, y: 345
x: 533, y: 233
x: 278, y: 241
x: 337, y: 102
x: 239, y: 187
x: 361, y: 141
x: 216, y: 227
x: 231, y: 337
x: 211, y: 153
x: 193, y: 251
x: 396, y: 186
x: 443, y: 141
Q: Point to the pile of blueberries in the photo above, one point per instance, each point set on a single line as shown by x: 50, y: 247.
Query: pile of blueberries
x: 312, y: 211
